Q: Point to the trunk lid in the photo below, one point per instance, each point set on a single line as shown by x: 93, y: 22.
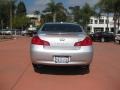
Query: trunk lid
x: 62, y: 40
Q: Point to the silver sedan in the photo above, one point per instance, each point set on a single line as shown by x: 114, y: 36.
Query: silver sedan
x: 61, y: 44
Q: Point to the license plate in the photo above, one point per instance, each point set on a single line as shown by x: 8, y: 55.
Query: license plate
x: 61, y: 59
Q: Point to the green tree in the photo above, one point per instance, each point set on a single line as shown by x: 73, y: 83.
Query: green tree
x: 76, y: 12
x: 47, y: 17
x: 7, y: 7
x: 111, y: 6
x: 21, y: 9
x: 20, y: 22
x: 86, y: 13
x: 55, y: 9
x: 105, y: 6
x: 82, y: 15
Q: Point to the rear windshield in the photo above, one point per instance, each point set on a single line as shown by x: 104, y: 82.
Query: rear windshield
x: 61, y: 28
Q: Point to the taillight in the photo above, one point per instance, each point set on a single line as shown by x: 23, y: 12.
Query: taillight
x: 36, y: 40
x: 86, y: 42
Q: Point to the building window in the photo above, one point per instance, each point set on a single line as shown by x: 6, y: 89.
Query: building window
x: 96, y: 21
x: 91, y: 21
x: 107, y: 21
x: 107, y: 29
x: 112, y: 30
x: 98, y: 29
x: 88, y: 29
x: 101, y: 21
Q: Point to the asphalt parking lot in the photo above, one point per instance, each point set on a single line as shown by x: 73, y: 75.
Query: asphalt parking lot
x: 16, y: 72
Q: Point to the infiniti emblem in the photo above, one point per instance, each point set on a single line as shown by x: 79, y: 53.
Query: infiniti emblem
x: 62, y: 39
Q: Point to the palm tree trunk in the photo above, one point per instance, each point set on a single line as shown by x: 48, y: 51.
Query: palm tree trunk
x: 54, y: 17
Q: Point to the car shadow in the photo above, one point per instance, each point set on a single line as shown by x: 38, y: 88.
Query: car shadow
x: 64, y: 70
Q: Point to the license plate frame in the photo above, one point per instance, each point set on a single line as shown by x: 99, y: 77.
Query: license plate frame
x: 61, y: 59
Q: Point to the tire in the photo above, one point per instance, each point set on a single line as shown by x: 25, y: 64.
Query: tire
x: 102, y: 39
x: 115, y: 41
x: 36, y: 67
x: 86, y: 68
x: 119, y: 41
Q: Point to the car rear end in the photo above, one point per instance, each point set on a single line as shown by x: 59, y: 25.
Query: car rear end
x: 117, y: 37
x: 61, y: 45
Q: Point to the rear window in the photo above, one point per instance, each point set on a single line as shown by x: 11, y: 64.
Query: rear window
x: 61, y: 28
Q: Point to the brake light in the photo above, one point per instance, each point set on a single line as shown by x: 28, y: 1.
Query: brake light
x: 86, y: 42
x: 36, y: 40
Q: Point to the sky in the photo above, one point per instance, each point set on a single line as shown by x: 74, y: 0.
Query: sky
x: 40, y: 5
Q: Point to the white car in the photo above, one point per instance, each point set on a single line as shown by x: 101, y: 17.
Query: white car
x: 61, y: 44
x: 6, y: 32
x: 117, y: 37
x: 24, y: 32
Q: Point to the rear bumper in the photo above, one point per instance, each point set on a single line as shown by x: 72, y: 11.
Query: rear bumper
x: 52, y: 63
x: 83, y: 56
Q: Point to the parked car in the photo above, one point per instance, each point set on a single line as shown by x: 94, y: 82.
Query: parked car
x: 5, y: 32
x: 32, y: 33
x: 117, y: 37
x: 102, y: 36
x: 61, y: 44
x: 24, y: 32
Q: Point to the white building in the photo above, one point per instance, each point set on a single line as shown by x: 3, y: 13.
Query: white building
x: 100, y: 24
x: 33, y: 16
x: 35, y: 21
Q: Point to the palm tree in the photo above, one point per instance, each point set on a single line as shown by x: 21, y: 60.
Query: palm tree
x: 54, y: 9
x: 111, y: 6
x: 21, y: 9
x: 105, y: 7
x: 82, y: 15
x: 76, y: 12
x: 87, y: 12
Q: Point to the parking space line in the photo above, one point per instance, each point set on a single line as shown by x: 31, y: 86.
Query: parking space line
x: 20, y: 76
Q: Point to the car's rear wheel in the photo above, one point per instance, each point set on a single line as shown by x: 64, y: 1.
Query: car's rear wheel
x: 36, y: 67
x: 102, y: 39
x: 115, y: 41
x: 119, y: 41
x: 86, y: 67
